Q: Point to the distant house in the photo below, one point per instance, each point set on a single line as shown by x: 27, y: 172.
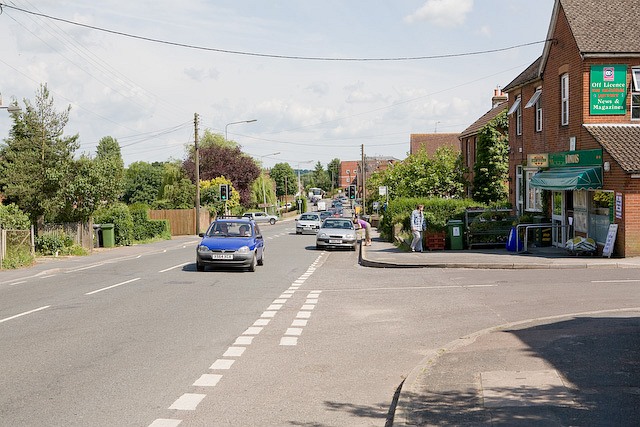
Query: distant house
x: 430, y: 142
x: 351, y: 170
x: 469, y: 136
x: 581, y: 158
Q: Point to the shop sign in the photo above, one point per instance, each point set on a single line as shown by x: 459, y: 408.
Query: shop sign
x: 618, y: 205
x: 608, y: 90
x: 538, y: 160
x: 576, y: 158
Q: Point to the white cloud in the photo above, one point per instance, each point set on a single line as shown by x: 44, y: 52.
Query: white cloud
x: 442, y: 13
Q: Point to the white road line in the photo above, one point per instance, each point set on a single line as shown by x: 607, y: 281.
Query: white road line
x: 294, y: 331
x: 17, y: 283
x: 243, y: 341
x: 289, y: 341
x: 299, y: 322
x: 165, y: 422
x: 308, y: 307
x: 261, y: 322
x: 188, y: 402
x: 274, y: 307
x: 252, y: 330
x: 303, y: 314
x: 311, y: 301
x: 112, y: 286
x: 24, y: 314
x: 234, y: 352
x: 269, y: 314
x: 616, y: 281
x: 279, y: 301
x: 174, y: 267
x: 285, y: 296
x: 222, y: 364
x: 207, y: 380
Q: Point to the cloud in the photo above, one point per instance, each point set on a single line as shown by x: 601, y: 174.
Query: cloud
x: 442, y: 13
x: 199, y: 74
x: 318, y: 88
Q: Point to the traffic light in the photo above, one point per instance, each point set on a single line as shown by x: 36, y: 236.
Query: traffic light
x: 352, y: 192
x: 224, y: 192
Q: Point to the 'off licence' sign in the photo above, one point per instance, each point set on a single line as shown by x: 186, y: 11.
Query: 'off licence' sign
x: 608, y: 90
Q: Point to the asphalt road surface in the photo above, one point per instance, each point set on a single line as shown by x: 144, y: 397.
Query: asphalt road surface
x: 137, y: 337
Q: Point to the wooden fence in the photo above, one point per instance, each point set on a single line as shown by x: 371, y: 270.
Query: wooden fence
x: 182, y: 221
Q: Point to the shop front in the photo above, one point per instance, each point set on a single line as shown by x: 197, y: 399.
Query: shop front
x: 579, y: 206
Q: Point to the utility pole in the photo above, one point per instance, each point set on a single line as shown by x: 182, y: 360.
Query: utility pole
x: 197, y: 162
x: 364, y: 178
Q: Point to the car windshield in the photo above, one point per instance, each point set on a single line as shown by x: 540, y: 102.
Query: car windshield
x: 332, y: 223
x: 309, y: 217
x: 230, y: 229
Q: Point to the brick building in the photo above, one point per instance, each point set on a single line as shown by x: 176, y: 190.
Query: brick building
x: 430, y: 142
x: 574, y: 125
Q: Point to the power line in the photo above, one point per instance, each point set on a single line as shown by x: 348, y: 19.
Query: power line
x: 274, y: 56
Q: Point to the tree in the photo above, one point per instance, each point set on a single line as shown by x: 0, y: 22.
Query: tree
x: 111, y: 170
x: 210, y: 195
x: 320, y: 178
x: 492, y: 164
x: 422, y: 176
x: 142, y: 183
x: 285, y: 179
x: 37, y: 161
x: 333, y: 169
x: 216, y: 161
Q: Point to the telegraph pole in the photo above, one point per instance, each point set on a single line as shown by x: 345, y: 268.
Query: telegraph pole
x: 197, y: 161
x: 364, y: 178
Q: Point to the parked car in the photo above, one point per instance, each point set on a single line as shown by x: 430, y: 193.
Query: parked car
x: 337, y: 233
x: 261, y: 217
x: 308, y: 222
x: 231, y: 242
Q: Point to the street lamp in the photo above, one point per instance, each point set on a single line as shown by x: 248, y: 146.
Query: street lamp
x: 14, y: 108
x: 264, y: 193
x: 235, y: 123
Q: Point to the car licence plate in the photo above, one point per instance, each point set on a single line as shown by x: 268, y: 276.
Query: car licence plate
x: 335, y: 242
x: 221, y: 256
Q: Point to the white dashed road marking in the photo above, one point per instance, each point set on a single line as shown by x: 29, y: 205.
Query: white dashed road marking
x: 188, y: 402
x: 164, y: 422
x: 112, y: 286
x: 24, y: 314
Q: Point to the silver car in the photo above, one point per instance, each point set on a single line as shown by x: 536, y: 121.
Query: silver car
x: 337, y: 233
x: 309, y: 222
x: 261, y: 217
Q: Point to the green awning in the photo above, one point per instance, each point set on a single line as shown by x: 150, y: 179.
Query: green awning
x: 568, y: 179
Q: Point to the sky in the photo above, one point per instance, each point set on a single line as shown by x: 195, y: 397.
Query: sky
x: 322, y: 79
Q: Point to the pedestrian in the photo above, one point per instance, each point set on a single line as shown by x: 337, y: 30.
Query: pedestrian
x: 418, y: 225
x: 367, y: 229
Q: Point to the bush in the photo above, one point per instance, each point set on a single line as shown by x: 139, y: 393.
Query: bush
x: 17, y: 257
x: 437, y: 211
x: 145, y: 228
x: 12, y: 218
x: 119, y: 215
x: 58, y: 244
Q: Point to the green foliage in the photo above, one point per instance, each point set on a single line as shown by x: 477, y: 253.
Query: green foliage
x: 262, y: 191
x: 12, y: 218
x: 145, y: 229
x: 333, y: 170
x: 422, y: 176
x: 143, y: 182
x: 119, y: 215
x: 36, y: 163
x: 17, y: 257
x: 437, y: 211
x: 492, y: 164
x: 285, y: 178
x: 52, y: 243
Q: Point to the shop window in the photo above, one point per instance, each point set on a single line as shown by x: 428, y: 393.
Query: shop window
x: 580, y: 211
x: 564, y: 99
x: 534, y: 195
x: 600, y: 207
x: 519, y: 189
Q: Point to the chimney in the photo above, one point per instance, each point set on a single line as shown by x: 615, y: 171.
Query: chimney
x: 498, y: 97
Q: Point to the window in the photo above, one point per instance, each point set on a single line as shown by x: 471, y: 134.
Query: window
x: 635, y: 95
x: 535, y: 102
x: 534, y: 195
x: 468, y: 146
x: 564, y: 99
x: 517, y: 108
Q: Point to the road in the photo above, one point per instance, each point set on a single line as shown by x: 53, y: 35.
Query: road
x: 137, y: 337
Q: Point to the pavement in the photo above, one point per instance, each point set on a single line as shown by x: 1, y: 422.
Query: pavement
x: 581, y: 369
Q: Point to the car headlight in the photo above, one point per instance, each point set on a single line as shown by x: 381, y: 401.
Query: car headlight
x: 244, y: 250
x: 203, y: 248
x: 322, y: 235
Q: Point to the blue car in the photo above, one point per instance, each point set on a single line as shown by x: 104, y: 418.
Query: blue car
x: 231, y: 242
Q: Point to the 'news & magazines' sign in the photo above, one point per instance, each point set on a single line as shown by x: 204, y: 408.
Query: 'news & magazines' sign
x: 608, y: 90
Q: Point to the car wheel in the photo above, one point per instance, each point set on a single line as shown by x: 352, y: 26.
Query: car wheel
x: 272, y: 221
x: 254, y: 262
x: 199, y: 267
x: 261, y: 260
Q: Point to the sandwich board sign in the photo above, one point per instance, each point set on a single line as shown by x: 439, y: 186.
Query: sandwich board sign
x: 611, y: 239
